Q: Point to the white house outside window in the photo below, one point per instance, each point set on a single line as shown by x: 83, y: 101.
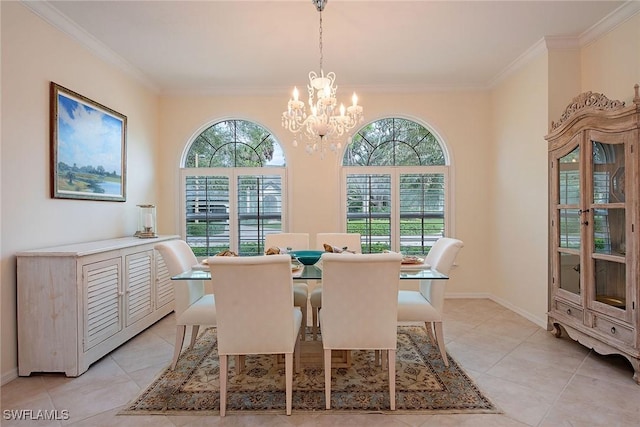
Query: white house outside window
x: 232, y: 183
x: 395, y: 178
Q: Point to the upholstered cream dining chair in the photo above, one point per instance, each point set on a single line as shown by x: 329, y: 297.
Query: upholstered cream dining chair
x: 352, y: 243
x: 254, y: 303
x: 360, y: 309
x: 300, y: 290
x: 427, y: 304
x: 193, y: 307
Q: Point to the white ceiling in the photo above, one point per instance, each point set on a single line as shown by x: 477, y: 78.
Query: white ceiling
x: 269, y: 46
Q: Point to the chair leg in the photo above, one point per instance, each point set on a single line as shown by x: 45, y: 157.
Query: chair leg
x: 327, y: 378
x: 296, y: 352
x: 180, y: 330
x: 194, y: 335
x: 384, y: 361
x: 429, y: 327
x: 303, y: 327
x: 223, y: 384
x: 314, y: 313
x: 440, y: 341
x: 391, y: 355
x: 288, y: 373
x: 240, y: 359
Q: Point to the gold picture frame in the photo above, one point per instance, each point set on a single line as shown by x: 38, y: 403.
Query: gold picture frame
x: 88, y: 148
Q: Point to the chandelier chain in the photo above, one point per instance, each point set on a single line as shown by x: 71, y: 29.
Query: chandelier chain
x: 320, y: 44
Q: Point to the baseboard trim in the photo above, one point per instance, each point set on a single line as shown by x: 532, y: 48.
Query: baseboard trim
x: 7, y: 377
x: 538, y: 321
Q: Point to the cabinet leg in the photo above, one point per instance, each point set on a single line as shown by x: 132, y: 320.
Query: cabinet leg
x: 557, y: 331
x: 636, y: 370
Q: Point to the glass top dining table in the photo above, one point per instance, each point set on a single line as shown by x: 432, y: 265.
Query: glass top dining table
x: 314, y: 272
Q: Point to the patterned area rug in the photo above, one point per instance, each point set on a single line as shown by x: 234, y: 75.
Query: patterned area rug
x: 423, y: 384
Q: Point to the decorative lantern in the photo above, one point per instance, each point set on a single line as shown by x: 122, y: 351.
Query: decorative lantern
x: 146, y: 222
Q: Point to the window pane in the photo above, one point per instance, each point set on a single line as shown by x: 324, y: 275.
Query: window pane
x: 369, y: 210
x: 259, y: 211
x: 609, y: 231
x: 421, y: 211
x: 394, y: 142
x: 569, y: 177
x: 569, y: 274
x: 234, y: 143
x: 611, y: 283
x: 222, y: 216
x: 608, y: 172
x: 569, y: 228
x: 207, y: 214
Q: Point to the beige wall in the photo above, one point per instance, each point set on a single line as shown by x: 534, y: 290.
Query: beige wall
x: 519, y: 191
x: 33, y: 54
x: 611, y: 65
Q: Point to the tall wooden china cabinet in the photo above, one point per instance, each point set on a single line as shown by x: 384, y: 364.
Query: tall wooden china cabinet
x: 594, y: 220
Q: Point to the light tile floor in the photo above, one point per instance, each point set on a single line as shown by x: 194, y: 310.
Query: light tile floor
x: 535, y: 378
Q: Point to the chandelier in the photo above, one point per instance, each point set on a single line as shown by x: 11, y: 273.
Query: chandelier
x: 326, y: 125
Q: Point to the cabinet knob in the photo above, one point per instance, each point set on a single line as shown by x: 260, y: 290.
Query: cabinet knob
x: 613, y: 329
x: 569, y: 311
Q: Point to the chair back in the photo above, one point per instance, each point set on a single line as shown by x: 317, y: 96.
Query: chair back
x: 179, y: 257
x: 349, y: 240
x: 441, y: 257
x: 254, y: 304
x: 287, y: 240
x: 360, y: 300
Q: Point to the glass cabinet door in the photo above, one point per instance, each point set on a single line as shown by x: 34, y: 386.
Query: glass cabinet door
x: 568, y: 217
x: 608, y: 231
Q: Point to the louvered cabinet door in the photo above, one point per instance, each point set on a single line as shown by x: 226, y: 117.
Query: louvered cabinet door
x: 138, y: 286
x: 164, y: 287
x: 102, y: 286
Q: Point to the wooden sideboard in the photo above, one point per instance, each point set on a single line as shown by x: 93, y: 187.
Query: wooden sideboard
x: 78, y: 302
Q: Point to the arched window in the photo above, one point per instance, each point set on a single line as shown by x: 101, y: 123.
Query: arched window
x: 395, y: 178
x: 233, y: 180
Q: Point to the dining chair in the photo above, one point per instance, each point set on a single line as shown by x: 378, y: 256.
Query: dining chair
x: 300, y: 289
x: 360, y: 308
x: 350, y: 241
x: 427, y: 304
x: 193, y: 306
x: 254, y: 303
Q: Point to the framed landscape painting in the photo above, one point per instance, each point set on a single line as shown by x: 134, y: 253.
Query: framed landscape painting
x: 88, y: 148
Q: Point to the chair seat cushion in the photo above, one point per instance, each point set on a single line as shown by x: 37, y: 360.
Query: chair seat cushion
x: 413, y: 307
x: 201, y: 312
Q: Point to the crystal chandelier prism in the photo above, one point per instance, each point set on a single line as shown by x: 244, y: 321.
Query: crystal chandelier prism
x: 326, y: 126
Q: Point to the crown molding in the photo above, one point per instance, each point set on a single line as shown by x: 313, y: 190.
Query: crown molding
x: 534, y: 51
x: 609, y: 22
x: 50, y: 14
x: 598, y: 30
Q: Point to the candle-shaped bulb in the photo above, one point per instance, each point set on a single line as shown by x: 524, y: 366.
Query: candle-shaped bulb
x: 354, y: 99
x: 342, y: 109
x: 295, y: 94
